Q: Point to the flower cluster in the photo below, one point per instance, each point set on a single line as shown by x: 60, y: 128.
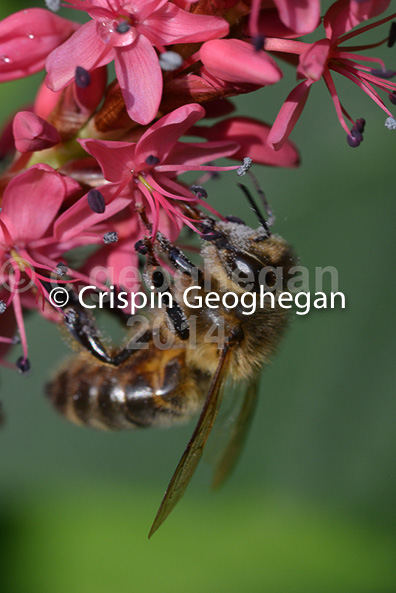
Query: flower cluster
x: 90, y: 154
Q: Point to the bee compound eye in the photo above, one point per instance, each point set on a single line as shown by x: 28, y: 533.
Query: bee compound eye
x: 245, y: 270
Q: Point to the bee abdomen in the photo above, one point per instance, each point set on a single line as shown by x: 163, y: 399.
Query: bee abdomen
x: 123, y: 398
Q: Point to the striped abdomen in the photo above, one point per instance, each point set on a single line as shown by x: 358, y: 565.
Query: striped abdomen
x: 155, y: 389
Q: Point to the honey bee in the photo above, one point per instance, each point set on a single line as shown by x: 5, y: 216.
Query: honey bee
x: 148, y: 385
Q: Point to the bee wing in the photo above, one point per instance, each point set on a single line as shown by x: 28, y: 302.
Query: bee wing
x: 193, y: 451
x: 237, y: 437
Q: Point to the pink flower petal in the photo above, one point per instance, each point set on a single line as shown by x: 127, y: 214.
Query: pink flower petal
x: 140, y: 79
x: 236, y: 61
x: 270, y: 25
x: 186, y: 154
x: 31, y: 201
x: 252, y: 135
x: 288, y: 115
x: 344, y: 15
x: 313, y: 61
x: 32, y: 133
x: 26, y: 39
x: 302, y: 16
x: 85, y: 48
x: 144, y: 8
x: 45, y: 101
x: 89, y: 98
x: 173, y: 25
x: 363, y: 10
x: 116, y: 159
x: 162, y: 135
x: 79, y: 217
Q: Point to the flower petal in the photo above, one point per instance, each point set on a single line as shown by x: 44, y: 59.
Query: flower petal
x: 116, y: 159
x: 162, y: 135
x: 236, y: 61
x: 313, y: 61
x: 85, y: 48
x: 185, y: 154
x: 344, y: 15
x: 172, y: 25
x: 251, y: 135
x: 289, y: 114
x: 302, y: 16
x: 26, y: 39
x: 79, y: 217
x: 140, y: 79
x: 32, y: 132
x: 31, y: 201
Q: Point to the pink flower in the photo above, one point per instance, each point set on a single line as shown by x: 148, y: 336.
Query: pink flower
x: 32, y: 132
x: 251, y: 135
x: 146, y: 171
x: 30, y: 204
x: 26, y: 39
x: 238, y: 62
x: 284, y: 18
x: 316, y: 60
x: 128, y: 31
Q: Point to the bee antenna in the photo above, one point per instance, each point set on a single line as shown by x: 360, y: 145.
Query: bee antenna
x: 254, y: 206
x: 271, y: 217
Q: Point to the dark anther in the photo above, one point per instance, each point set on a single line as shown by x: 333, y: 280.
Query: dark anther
x: 3, y: 307
x: 61, y: 269
x: 359, y: 124
x: 111, y: 237
x: 199, y: 191
x: 122, y: 27
x: 356, y: 134
x: 96, y: 201
x: 158, y: 279
x: 392, y: 97
x: 140, y: 247
x: 383, y: 73
x: 235, y: 219
x: 392, y: 35
x: 152, y: 160
x: 355, y: 137
x: 23, y: 365
x: 82, y: 77
x: 352, y: 141
x: 258, y: 42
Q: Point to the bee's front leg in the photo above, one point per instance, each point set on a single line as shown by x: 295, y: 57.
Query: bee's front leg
x: 82, y: 327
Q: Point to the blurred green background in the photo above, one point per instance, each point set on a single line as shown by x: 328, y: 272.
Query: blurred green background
x: 311, y: 506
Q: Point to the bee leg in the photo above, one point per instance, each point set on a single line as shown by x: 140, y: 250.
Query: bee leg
x: 178, y: 259
x: 160, y: 285
x: 82, y: 328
